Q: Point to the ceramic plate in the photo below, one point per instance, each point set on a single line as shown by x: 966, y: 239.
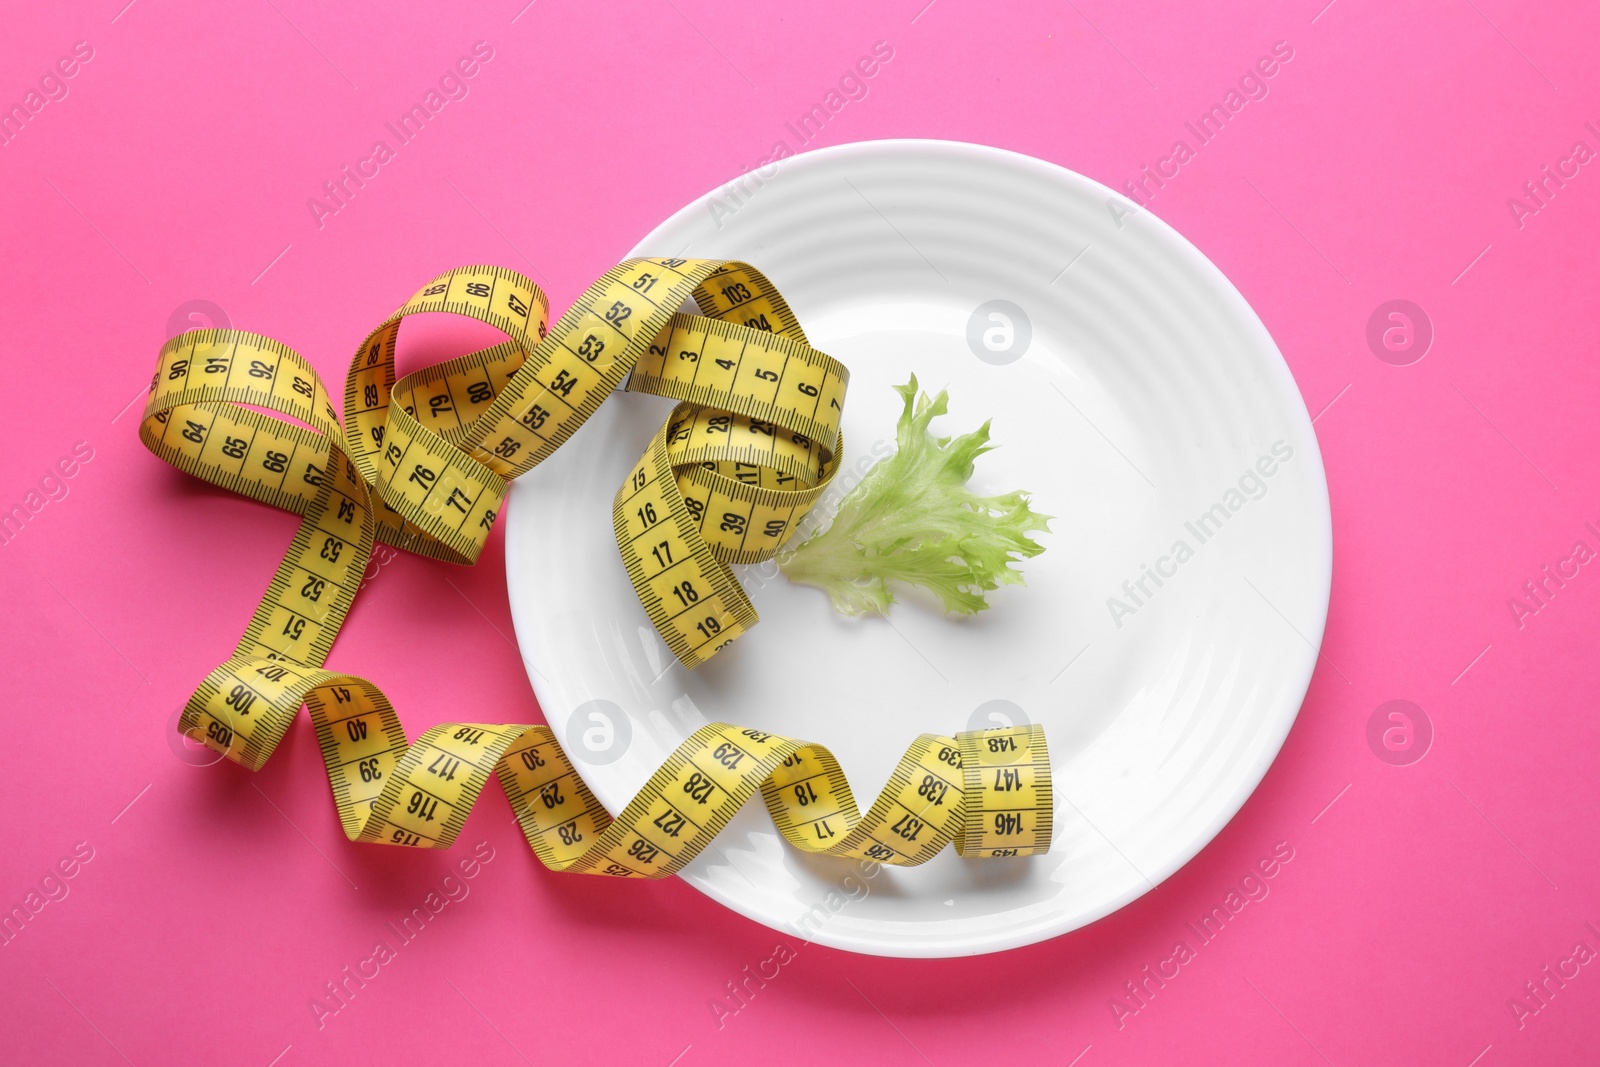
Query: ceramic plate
x: 1164, y: 639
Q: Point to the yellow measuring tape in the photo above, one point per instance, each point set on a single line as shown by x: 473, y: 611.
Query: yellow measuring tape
x: 423, y: 464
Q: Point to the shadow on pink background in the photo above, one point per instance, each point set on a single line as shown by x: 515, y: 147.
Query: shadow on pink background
x: 1439, y: 911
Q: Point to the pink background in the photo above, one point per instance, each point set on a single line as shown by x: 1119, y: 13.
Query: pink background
x: 1420, y: 898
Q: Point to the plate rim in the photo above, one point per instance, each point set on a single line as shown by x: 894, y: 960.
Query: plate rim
x: 1295, y: 412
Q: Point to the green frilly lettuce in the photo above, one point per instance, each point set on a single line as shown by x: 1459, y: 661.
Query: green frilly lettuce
x: 912, y: 519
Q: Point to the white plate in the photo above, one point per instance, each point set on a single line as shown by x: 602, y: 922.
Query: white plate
x: 1148, y: 392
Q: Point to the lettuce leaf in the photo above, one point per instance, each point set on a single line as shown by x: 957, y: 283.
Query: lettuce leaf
x: 912, y: 519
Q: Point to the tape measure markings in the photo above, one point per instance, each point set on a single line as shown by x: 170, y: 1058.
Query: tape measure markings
x: 423, y: 462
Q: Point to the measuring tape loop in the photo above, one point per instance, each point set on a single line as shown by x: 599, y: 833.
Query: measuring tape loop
x: 423, y: 463
x: 985, y: 791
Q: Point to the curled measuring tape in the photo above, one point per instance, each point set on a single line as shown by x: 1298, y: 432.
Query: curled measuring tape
x: 423, y: 464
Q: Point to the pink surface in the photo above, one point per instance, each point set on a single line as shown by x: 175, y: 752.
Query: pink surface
x: 1421, y: 898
